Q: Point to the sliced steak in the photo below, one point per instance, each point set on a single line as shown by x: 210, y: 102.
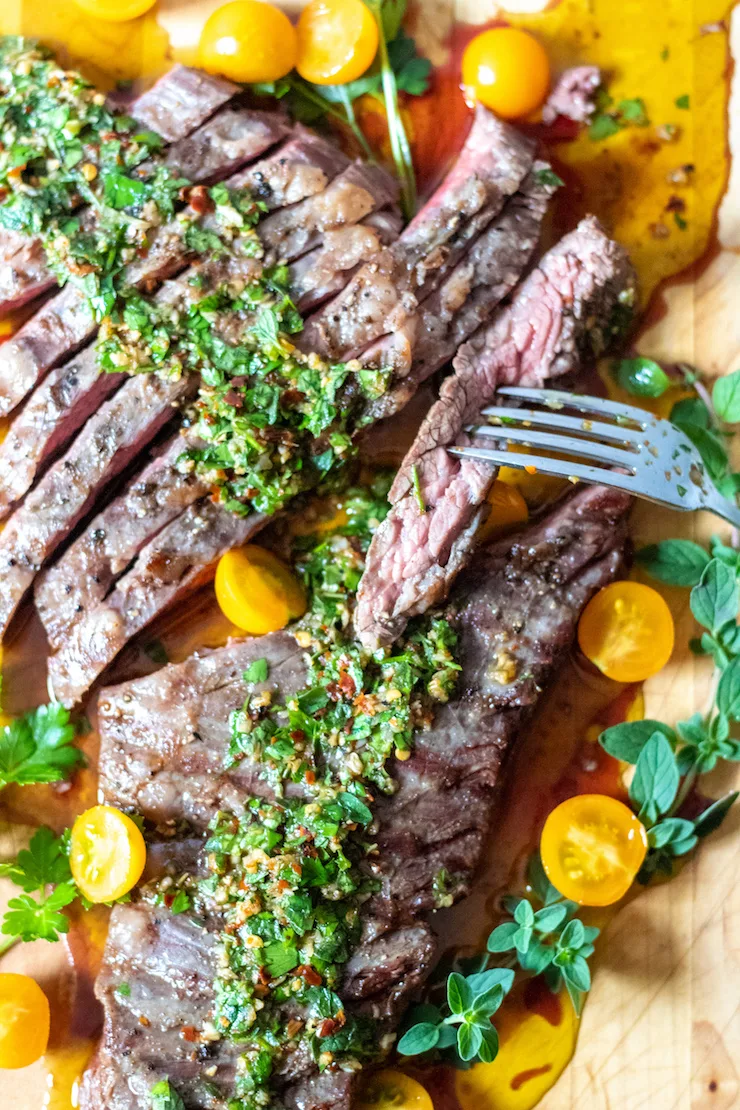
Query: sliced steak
x: 179, y: 560
x: 64, y: 323
x: 60, y: 405
x: 491, y: 167
x: 191, y: 95
x: 80, y: 579
x: 520, y: 601
x: 182, y: 100
x: 489, y: 269
x: 121, y: 428
x: 564, y: 312
x: 573, y: 95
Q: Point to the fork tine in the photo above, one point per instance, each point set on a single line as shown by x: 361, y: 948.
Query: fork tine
x: 557, y: 421
x: 569, y: 445
x: 558, y: 468
x: 561, y: 399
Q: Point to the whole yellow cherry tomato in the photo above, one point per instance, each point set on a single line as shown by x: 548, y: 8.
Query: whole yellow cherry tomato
x: 592, y: 847
x: 627, y: 631
x: 115, y: 11
x: 508, y: 508
x: 337, y: 41
x: 24, y: 1021
x: 248, y: 41
x: 107, y: 853
x: 257, y: 591
x: 392, y: 1090
x: 507, y: 70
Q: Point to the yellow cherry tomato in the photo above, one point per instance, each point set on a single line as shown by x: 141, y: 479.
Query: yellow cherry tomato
x: 627, y: 631
x: 115, y: 11
x: 24, y: 1021
x: 507, y: 70
x: 106, y: 853
x: 592, y: 847
x: 337, y: 41
x: 392, y: 1090
x: 508, y: 508
x: 257, y: 591
x: 248, y: 41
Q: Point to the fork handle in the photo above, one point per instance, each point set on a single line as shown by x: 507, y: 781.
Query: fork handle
x: 713, y: 500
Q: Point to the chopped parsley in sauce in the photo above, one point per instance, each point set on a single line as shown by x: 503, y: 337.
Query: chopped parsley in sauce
x: 289, y: 875
x: 271, y: 420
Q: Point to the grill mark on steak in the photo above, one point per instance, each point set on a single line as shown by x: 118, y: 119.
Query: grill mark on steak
x: 559, y: 315
x: 384, y: 293
x: 522, y: 596
x: 182, y: 100
x: 64, y: 323
x: 65, y: 398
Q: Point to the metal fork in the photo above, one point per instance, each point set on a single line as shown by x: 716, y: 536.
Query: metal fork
x: 631, y: 450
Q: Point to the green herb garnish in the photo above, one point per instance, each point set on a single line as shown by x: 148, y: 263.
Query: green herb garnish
x: 37, y: 747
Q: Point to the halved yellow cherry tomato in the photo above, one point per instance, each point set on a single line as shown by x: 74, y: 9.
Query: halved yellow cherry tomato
x: 507, y: 70
x: 248, y: 41
x: 106, y: 853
x: 508, y: 508
x: 115, y: 11
x: 627, y: 631
x: 337, y: 41
x: 257, y: 591
x: 24, y: 1021
x: 592, y: 847
x: 392, y: 1090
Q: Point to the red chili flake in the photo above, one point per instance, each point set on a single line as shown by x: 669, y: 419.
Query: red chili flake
x: 330, y: 1025
x: 169, y: 898
x: 189, y: 1033
x: 310, y: 777
x: 234, y: 399
x: 298, y: 735
x: 310, y: 975
x: 200, y: 200
x: 347, y: 685
x: 283, y: 885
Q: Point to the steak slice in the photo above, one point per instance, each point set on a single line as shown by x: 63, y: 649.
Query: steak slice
x: 563, y: 313
x: 192, y: 95
x: 110, y: 440
x: 492, y: 165
x: 64, y: 323
x: 65, y: 592
x: 60, y: 405
x: 574, y: 95
x: 162, y: 736
x: 181, y: 558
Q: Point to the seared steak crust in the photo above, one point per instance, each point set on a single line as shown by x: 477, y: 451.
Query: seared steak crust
x: 562, y: 312
x: 163, y: 738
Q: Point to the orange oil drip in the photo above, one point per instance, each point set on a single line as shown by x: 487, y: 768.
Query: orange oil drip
x: 525, y: 1076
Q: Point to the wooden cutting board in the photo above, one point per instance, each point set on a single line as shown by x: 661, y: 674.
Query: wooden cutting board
x: 661, y: 1030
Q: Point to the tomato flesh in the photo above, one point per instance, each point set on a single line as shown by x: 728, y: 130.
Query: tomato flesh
x: 507, y: 70
x: 627, y: 631
x: 392, y: 1090
x: 257, y: 591
x: 592, y: 847
x: 24, y: 1021
x: 337, y: 41
x: 248, y: 41
x: 107, y: 853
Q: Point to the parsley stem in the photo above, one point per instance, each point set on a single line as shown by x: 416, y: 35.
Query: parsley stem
x: 354, y: 125
x: 7, y: 944
x: 347, y: 118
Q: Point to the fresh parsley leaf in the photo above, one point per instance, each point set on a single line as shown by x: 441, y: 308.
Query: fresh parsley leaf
x: 37, y: 747
x: 355, y: 809
x: 633, y: 111
x: 683, y: 102
x: 642, y: 377
x: 266, y: 328
x: 602, y: 126
x: 726, y: 397
x: 181, y: 902
x: 679, y: 221
x: 165, y: 1097
x: 257, y: 671
x: 675, y: 562
x: 121, y: 191
x: 656, y: 779
x: 547, y: 176
x: 42, y: 864
x: 30, y: 919
x: 412, y: 72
